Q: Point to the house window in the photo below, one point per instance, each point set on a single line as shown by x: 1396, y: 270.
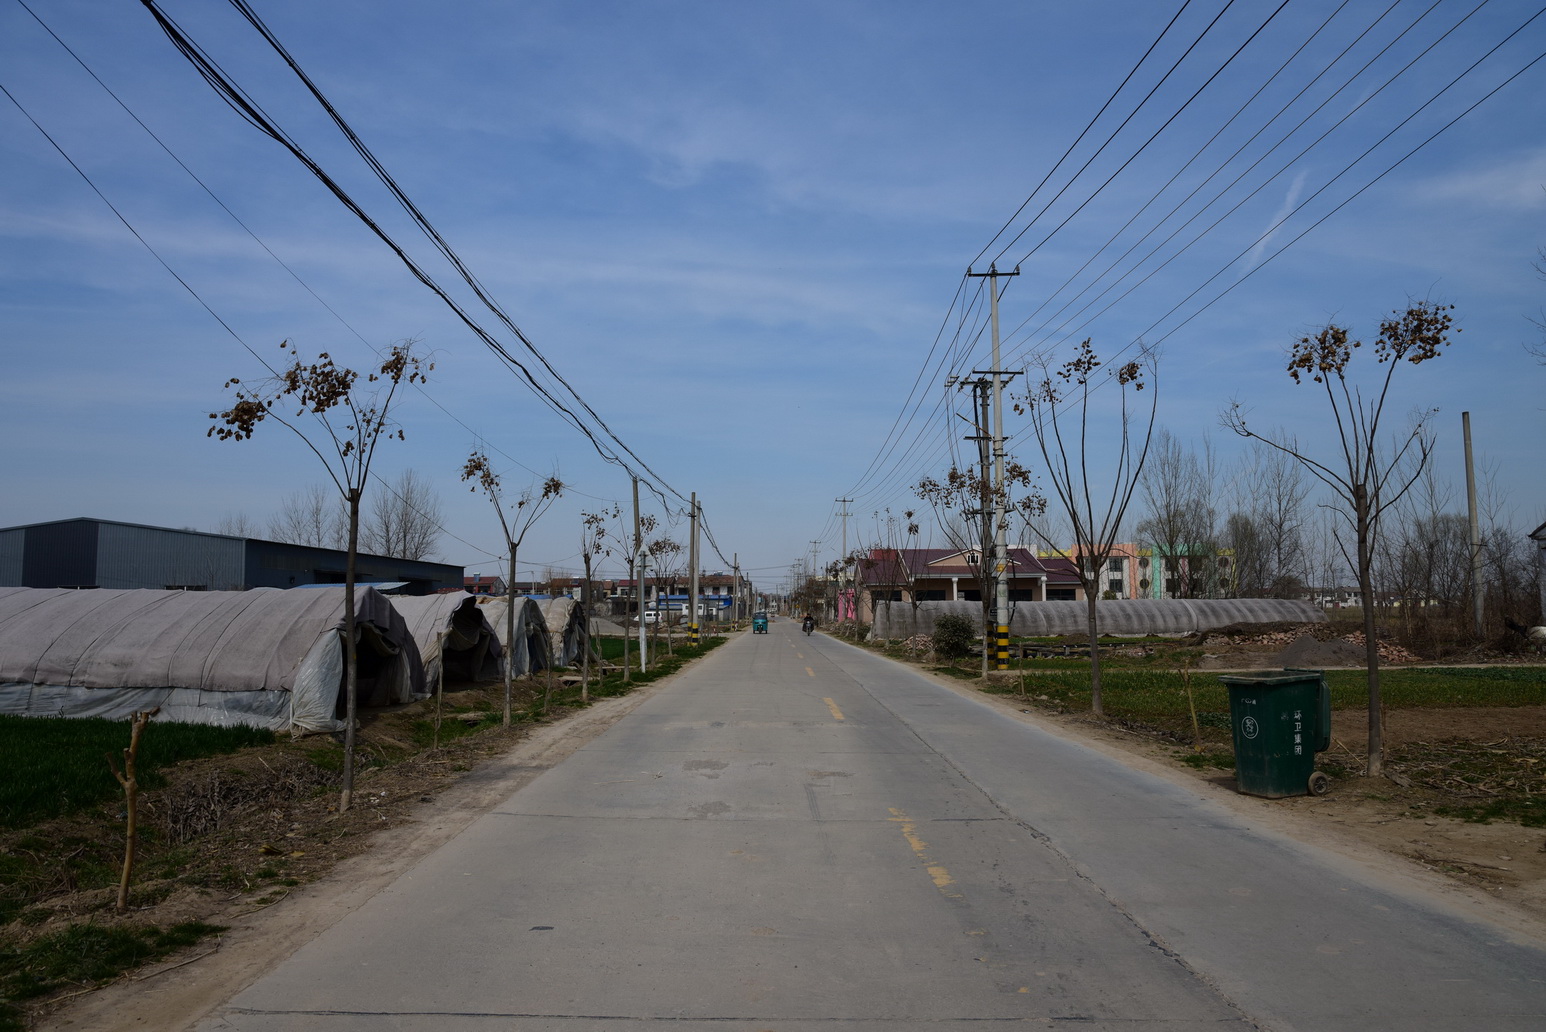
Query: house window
x: 1115, y: 565
x: 1061, y: 595
x: 1114, y: 584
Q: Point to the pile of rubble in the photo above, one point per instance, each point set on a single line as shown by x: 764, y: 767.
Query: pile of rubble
x: 1273, y: 640
x: 1389, y: 651
x: 918, y: 644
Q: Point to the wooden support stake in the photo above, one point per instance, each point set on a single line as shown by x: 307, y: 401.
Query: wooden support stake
x: 129, y: 781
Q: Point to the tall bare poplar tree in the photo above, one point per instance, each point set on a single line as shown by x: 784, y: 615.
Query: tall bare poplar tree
x: 403, y: 518
x: 515, y: 520
x: 593, y: 544
x: 1365, y: 478
x: 1059, y: 410
x: 342, y: 421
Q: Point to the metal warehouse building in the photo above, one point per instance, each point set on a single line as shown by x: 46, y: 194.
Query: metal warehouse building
x: 90, y: 553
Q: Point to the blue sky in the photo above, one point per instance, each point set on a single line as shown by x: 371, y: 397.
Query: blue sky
x: 738, y: 229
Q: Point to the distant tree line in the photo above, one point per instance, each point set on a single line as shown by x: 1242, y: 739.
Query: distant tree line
x: 401, y: 519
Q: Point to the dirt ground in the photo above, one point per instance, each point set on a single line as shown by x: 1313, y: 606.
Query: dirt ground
x: 1495, y: 872
x: 1497, y: 863
x: 1503, y: 862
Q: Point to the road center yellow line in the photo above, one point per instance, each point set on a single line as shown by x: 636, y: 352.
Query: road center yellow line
x: 837, y: 714
x: 941, y: 876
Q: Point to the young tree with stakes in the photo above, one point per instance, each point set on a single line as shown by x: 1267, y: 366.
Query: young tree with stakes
x: 665, y: 557
x: 1094, y: 513
x: 532, y: 503
x: 623, y: 531
x: 1365, y: 479
x: 347, y: 421
x: 593, y: 543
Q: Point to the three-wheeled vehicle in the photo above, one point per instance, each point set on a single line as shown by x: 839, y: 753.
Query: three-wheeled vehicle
x: 759, y: 623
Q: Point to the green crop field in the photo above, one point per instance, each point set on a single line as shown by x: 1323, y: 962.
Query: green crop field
x: 1159, y: 697
x: 56, y: 766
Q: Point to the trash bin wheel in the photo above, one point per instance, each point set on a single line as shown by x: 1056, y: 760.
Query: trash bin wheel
x: 1320, y: 784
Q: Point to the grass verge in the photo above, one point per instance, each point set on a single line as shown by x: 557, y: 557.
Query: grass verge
x: 83, y: 956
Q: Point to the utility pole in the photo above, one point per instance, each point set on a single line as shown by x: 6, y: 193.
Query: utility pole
x: 1000, y: 527
x: 735, y: 588
x: 692, y: 578
x: 815, y: 571
x: 843, y: 558
x: 638, y: 551
x: 1477, y: 623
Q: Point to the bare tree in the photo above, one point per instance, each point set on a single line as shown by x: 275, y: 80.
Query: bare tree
x: 311, y: 516
x: 623, y: 531
x: 964, y: 503
x: 889, y: 568
x: 342, y: 423
x: 1325, y: 562
x: 1424, y: 559
x: 665, y: 558
x: 1512, y: 576
x: 403, y: 520
x: 1177, y: 489
x: 593, y: 545
x: 237, y: 524
x: 1059, y: 409
x: 1278, y: 509
x: 555, y: 581
x: 1266, y: 530
x: 1365, y: 479
x: 514, y: 520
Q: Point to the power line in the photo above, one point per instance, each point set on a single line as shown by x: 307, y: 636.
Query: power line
x: 251, y: 233
x: 893, y: 458
x: 251, y: 111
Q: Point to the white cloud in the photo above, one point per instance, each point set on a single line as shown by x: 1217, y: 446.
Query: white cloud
x: 1514, y: 183
x: 1274, y: 224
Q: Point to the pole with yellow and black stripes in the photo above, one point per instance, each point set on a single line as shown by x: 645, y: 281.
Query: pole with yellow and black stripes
x: 692, y: 589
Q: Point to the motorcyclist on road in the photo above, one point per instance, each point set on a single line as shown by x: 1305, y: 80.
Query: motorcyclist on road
x: 809, y: 625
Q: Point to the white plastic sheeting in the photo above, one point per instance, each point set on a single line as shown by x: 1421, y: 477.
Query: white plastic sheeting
x: 566, y: 629
x: 265, y: 657
x: 451, y: 628
x: 531, y: 651
x: 1139, y: 616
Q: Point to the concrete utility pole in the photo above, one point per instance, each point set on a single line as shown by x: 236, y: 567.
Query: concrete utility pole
x: 843, y: 558
x: 1476, y: 530
x: 815, y: 570
x: 638, y: 551
x: 980, y: 435
x: 641, y: 561
x: 1000, y: 529
x: 692, y: 577
x: 735, y: 589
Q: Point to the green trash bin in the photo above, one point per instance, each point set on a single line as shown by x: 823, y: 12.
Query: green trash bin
x: 1280, y: 721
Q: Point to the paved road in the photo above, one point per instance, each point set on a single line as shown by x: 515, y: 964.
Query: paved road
x: 795, y: 836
